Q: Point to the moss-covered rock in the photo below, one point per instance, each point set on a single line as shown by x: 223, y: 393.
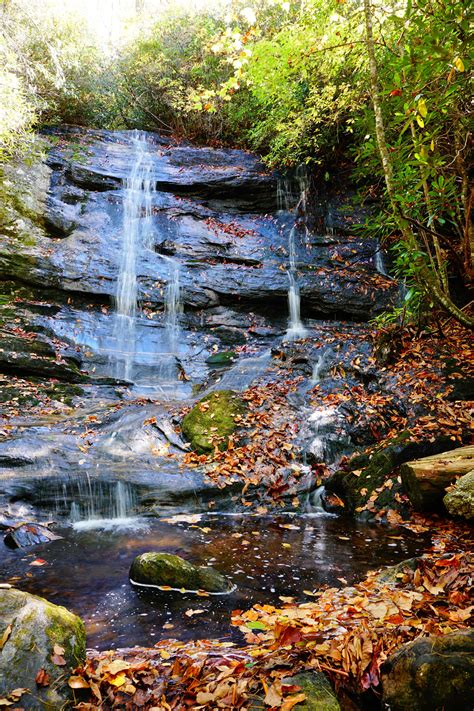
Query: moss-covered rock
x: 320, y: 695
x: 431, y: 673
x: 460, y: 500
x: 32, y: 628
x: 368, y: 472
x: 222, y: 358
x: 164, y: 569
x: 212, y: 420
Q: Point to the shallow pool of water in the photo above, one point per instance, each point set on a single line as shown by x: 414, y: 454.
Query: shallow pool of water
x: 265, y: 556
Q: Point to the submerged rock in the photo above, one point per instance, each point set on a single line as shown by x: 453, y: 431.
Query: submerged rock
x: 212, y: 420
x: 164, y: 569
x: 431, y: 673
x: 460, y: 500
x: 29, y: 534
x: 42, y: 644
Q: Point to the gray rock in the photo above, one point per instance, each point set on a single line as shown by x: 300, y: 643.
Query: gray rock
x: 39, y: 638
x: 460, y: 500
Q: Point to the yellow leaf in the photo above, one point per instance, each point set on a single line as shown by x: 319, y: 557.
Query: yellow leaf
x: 119, y: 680
x: 422, y: 108
x: 116, y: 666
x: 5, y: 636
x: 459, y: 64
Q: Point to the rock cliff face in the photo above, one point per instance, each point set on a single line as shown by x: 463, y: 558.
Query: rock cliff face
x: 214, y: 211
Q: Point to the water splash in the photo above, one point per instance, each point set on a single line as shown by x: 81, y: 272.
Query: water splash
x: 98, y: 504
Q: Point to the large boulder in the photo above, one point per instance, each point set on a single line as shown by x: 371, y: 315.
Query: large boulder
x: 166, y: 570
x: 460, y: 500
x: 431, y: 673
x: 40, y: 644
x: 212, y: 420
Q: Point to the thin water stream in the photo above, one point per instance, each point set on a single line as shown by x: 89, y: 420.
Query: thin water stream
x: 286, y: 202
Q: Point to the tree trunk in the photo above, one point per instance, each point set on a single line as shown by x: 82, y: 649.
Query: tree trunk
x: 425, y: 480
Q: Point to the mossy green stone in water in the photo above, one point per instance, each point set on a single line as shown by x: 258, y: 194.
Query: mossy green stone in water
x: 222, y: 358
x: 31, y: 627
x: 211, y: 420
x: 165, y: 569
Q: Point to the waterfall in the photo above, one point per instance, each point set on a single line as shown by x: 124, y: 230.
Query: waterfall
x: 138, y: 236
x: 137, y: 233
x: 285, y: 201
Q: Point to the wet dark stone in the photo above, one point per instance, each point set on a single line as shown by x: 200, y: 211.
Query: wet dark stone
x: 29, y: 534
x: 431, y: 673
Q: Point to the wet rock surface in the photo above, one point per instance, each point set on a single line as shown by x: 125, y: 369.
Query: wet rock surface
x: 213, y: 210
x: 42, y: 644
x: 25, y: 535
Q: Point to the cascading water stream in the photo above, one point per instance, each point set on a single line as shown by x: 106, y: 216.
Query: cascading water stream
x: 379, y: 262
x: 137, y: 232
x: 138, y: 235
x: 285, y: 202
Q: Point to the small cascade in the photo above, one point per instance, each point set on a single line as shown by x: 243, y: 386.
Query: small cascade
x: 286, y: 201
x: 318, y: 367
x: 314, y: 502
x: 173, y: 310
x: 379, y: 262
x: 137, y: 233
x: 99, y: 504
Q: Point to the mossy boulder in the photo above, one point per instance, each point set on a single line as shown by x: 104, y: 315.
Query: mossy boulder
x: 32, y: 628
x: 166, y: 570
x: 368, y: 472
x: 460, y: 500
x: 212, y: 420
x: 431, y: 673
x: 320, y: 695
